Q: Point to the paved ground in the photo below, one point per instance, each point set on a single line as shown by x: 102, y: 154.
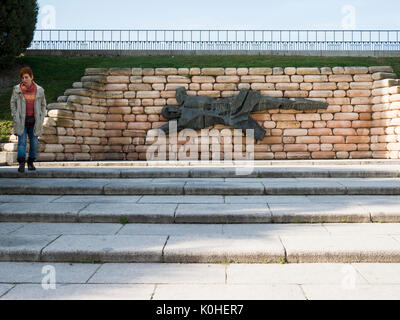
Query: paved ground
x: 199, y: 281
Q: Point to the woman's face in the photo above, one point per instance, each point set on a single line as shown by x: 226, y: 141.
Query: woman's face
x: 26, y: 80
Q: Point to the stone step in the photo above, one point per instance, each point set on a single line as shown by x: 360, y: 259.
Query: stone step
x: 200, y: 209
x: 344, y: 243
x: 201, y: 186
x: 355, y: 171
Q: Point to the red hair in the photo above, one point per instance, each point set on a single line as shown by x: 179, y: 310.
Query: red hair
x: 25, y: 70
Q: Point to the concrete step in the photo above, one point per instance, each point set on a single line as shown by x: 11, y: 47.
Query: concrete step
x: 343, y: 243
x: 163, y: 281
x: 199, y: 209
x: 201, y: 186
x: 353, y: 171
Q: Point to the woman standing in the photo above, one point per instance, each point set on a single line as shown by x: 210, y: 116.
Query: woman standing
x: 28, y: 109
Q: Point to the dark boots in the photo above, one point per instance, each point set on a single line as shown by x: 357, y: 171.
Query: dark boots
x: 31, y: 167
x: 21, y: 167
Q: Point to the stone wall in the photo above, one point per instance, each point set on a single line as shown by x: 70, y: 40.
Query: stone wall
x: 107, y: 115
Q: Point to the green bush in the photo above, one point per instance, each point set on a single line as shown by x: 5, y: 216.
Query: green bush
x: 17, y: 24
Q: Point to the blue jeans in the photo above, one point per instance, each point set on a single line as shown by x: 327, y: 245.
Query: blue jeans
x: 33, y: 144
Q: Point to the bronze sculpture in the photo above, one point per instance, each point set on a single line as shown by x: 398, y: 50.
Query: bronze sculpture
x: 199, y: 112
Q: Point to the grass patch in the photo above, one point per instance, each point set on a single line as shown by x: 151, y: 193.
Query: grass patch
x: 56, y: 74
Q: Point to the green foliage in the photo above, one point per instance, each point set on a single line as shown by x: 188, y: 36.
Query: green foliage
x: 17, y: 24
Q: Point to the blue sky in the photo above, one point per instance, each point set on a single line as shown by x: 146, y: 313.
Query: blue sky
x: 222, y: 14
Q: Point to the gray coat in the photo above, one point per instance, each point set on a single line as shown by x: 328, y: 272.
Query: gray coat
x: 18, y: 111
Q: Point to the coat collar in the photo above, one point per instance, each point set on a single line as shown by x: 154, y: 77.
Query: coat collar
x: 18, y: 89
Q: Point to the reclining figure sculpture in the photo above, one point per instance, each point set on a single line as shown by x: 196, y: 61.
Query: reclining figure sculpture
x: 200, y: 112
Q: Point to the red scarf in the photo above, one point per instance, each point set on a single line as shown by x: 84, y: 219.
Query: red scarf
x: 29, y: 95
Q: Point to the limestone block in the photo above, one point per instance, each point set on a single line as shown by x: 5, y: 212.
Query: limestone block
x: 242, y: 71
x: 252, y: 78
x: 287, y: 86
x: 94, y: 109
x: 315, y: 78
x: 160, y: 102
x: 360, y: 100
x: 114, y: 94
x: 358, y: 93
x: 260, y: 71
x: 154, y: 79
x: 118, y: 79
x: 296, y: 94
x: 91, y: 140
x: 343, y: 85
x: 319, y: 132
x: 230, y: 71
x: 178, y: 79
x: 166, y: 71
x: 290, y: 71
x: 306, y: 86
x: 383, y: 75
x: 356, y: 70
x: 203, y: 79
x: 195, y: 71
x: 338, y: 70
x: 295, y: 132
x: 121, y: 110
x: 276, y: 79
x: 361, y: 85
x: 49, y: 122
x: 363, y: 78
x: 210, y: 93
x: 120, y: 72
x: 326, y: 70
x: 52, y: 148
x: 136, y: 79
x: 339, y: 124
x: 297, y: 78
x: 321, y: 94
x: 129, y: 95
x: 340, y: 78
x: 68, y: 123
x: 119, y: 102
x: 225, y: 86
x: 385, y: 83
x: 99, y: 133
x: 308, y: 117
x: 339, y: 93
x: 277, y: 71
x: 82, y: 157
x: 375, y: 69
x: 119, y: 140
x: 66, y: 140
x: 94, y: 78
x: 225, y: 94
x: 116, y: 125
x: 153, y: 110
x: 79, y: 99
x: 212, y: 71
x: 206, y: 87
x: 148, y: 94
x: 346, y: 116
x: 93, y: 86
x: 115, y: 87
x: 262, y: 86
x: 324, y: 86
x: 51, y: 139
x: 244, y: 86
x: 183, y: 71
x: 394, y: 98
x: 228, y: 79
x: 308, y: 71
x: 274, y: 93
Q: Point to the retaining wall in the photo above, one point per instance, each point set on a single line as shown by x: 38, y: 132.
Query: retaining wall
x: 107, y: 115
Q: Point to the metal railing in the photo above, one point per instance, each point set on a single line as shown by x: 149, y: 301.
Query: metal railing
x: 280, y: 40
